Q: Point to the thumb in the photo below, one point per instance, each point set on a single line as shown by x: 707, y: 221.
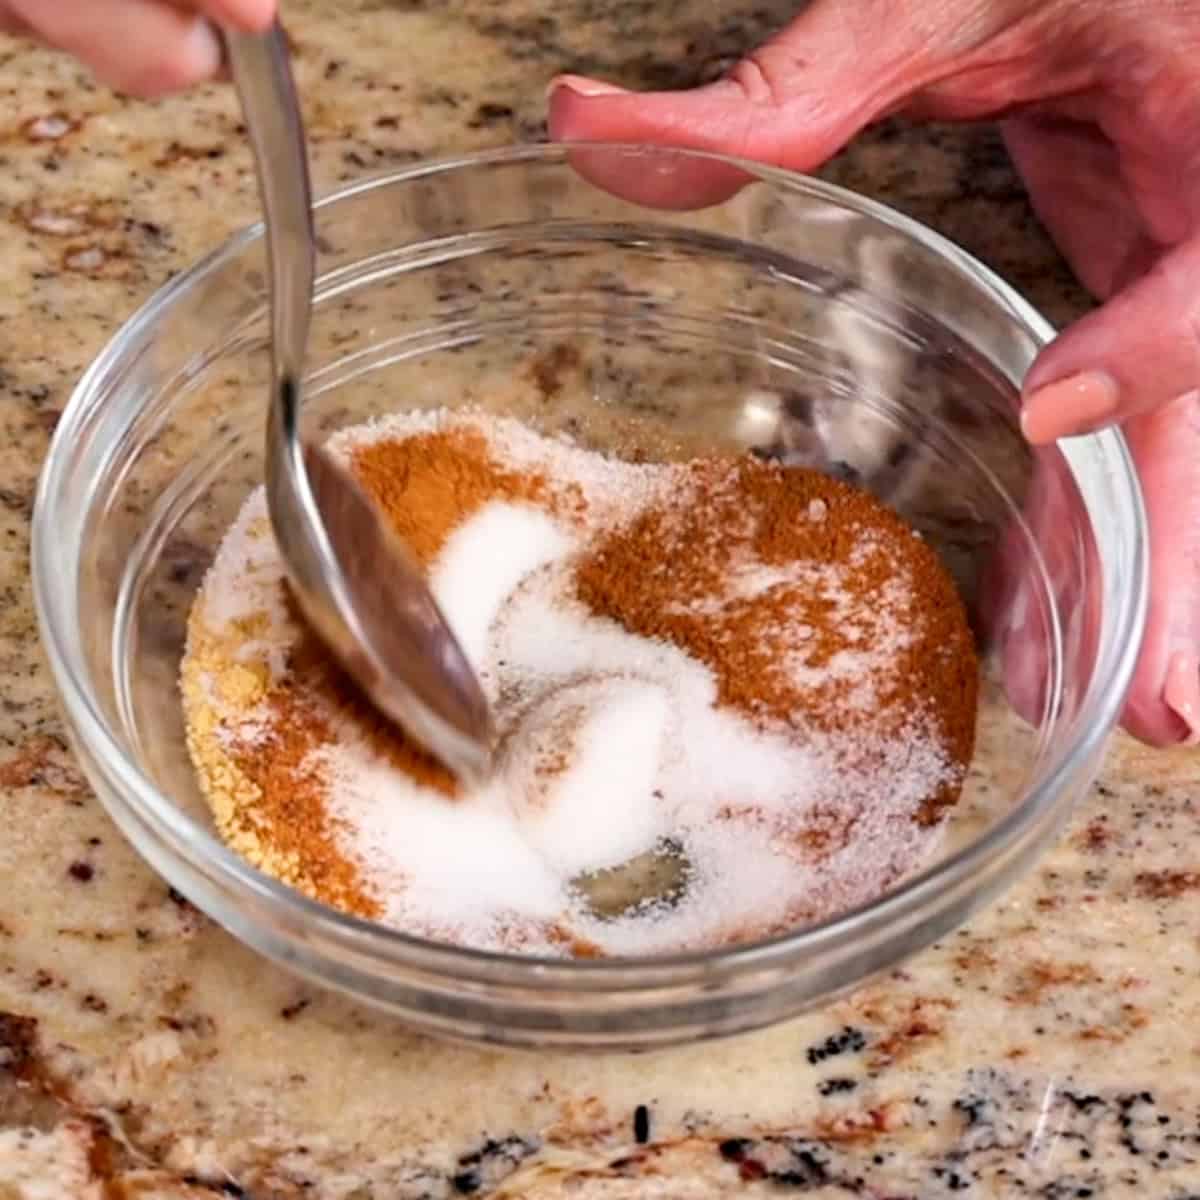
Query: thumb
x: 1137, y: 353
x: 793, y: 102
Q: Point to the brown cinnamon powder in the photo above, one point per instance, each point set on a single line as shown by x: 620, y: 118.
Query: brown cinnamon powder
x: 431, y: 484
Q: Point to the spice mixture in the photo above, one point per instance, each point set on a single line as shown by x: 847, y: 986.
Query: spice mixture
x: 732, y: 698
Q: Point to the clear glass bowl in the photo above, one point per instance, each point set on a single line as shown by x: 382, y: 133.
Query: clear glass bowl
x: 794, y: 319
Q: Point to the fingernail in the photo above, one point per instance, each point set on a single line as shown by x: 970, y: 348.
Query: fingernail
x: 1181, y: 692
x: 1078, y: 404
x: 582, y: 86
x: 206, y: 49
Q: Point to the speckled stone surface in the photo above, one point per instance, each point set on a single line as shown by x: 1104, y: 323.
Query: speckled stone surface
x: 1050, y: 1050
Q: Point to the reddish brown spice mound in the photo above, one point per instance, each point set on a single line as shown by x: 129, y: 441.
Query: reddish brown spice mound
x: 654, y: 577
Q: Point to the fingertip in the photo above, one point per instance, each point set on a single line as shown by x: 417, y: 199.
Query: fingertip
x: 1080, y: 403
x: 1181, y: 694
x: 560, y: 100
x: 196, y: 57
x: 201, y: 55
x: 588, y: 110
x: 1134, y: 354
x: 569, y: 116
x: 1159, y: 725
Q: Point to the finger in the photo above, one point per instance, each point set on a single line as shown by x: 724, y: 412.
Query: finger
x: 832, y: 70
x: 792, y: 102
x: 712, y: 118
x: 1138, y: 352
x: 1073, y: 176
x: 1163, y: 702
x: 796, y: 100
x: 801, y: 76
x: 140, y: 47
x: 1163, y: 706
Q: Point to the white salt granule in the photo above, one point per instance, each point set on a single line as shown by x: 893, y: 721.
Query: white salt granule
x: 611, y: 743
x: 438, y: 865
x: 484, y: 561
x: 243, y: 591
x: 597, y: 809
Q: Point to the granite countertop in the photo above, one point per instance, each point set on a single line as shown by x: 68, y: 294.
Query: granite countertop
x: 1052, y: 1049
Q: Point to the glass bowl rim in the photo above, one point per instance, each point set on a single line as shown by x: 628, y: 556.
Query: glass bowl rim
x: 386, y: 944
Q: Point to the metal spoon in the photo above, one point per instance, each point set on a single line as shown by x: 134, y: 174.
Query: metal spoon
x: 353, y: 578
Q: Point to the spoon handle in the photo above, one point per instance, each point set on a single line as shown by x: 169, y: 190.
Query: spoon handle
x: 262, y: 73
x: 349, y: 571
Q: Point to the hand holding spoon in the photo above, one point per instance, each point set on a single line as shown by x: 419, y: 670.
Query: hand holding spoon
x: 353, y: 578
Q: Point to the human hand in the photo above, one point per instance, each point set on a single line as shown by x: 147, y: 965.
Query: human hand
x: 141, y: 47
x: 1100, y: 108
